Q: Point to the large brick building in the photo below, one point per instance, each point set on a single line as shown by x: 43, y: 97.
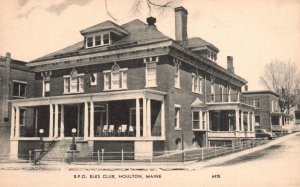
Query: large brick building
x: 268, y: 114
x: 14, y: 77
x: 131, y: 87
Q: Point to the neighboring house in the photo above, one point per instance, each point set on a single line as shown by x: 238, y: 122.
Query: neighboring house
x: 131, y: 87
x: 267, y: 111
x: 14, y: 77
x: 296, y: 113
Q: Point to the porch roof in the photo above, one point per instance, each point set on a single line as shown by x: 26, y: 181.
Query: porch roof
x: 95, y: 97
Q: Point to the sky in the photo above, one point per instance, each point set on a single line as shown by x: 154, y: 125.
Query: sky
x: 253, y: 32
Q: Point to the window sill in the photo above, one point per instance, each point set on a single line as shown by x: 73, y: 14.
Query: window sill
x: 70, y: 93
x: 178, y: 88
x: 197, y: 92
x: 153, y: 86
x: 115, y: 89
x: 19, y: 97
x: 177, y: 129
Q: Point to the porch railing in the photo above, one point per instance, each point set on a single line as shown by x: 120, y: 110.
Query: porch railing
x: 224, y: 98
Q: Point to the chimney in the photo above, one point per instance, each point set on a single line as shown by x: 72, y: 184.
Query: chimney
x: 151, y: 21
x: 181, y: 25
x: 246, y: 88
x: 230, y: 67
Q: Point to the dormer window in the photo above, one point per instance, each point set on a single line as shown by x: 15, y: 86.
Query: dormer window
x: 98, y: 40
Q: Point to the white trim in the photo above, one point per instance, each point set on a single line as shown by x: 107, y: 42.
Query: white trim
x: 177, y: 106
x: 17, y: 81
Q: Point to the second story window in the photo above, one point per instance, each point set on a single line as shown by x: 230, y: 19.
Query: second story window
x: 151, y: 71
x: 46, y: 83
x: 46, y: 88
x: 256, y: 103
x: 196, y: 84
x: 116, y: 78
x: 177, y: 73
x: 19, y: 89
x: 73, y: 83
x: 212, y: 89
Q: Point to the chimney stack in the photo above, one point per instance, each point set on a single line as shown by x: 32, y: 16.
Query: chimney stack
x: 181, y: 25
x: 246, y: 88
x: 230, y: 67
x: 151, y: 21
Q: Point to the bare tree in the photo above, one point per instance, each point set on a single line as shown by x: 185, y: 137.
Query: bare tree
x: 282, y: 77
x: 138, y: 4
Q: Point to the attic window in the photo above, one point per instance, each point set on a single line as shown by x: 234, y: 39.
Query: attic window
x: 98, y: 40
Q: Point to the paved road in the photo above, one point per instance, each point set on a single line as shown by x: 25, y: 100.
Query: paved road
x: 276, y: 165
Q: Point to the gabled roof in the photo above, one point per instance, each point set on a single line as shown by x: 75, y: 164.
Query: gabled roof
x: 106, y: 25
x: 196, y: 42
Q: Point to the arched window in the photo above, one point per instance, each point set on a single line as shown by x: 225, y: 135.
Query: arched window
x: 116, y: 78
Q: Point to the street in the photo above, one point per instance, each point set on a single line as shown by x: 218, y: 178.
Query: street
x: 275, y: 165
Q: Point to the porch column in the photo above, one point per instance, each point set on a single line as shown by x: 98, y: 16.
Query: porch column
x: 137, y: 118
x: 92, y: 120
x: 12, y: 125
x: 280, y: 120
x: 78, y: 120
x: 242, y: 121
x: 51, y: 121
x: 36, y: 113
x: 148, y: 117
x: 106, y: 114
x: 56, y: 121
x: 144, y: 117
x: 86, y: 120
x: 253, y: 121
x: 248, y: 121
x: 62, y: 121
x: 17, y: 133
x: 237, y: 120
x: 162, y: 117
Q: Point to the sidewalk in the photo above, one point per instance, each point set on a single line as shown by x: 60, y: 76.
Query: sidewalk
x: 191, y: 165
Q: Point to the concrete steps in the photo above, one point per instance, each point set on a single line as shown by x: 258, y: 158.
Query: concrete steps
x: 61, y: 151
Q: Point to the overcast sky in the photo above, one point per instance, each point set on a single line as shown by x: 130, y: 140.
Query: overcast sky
x: 253, y: 32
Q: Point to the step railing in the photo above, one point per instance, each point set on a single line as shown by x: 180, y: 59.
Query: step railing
x: 39, y: 154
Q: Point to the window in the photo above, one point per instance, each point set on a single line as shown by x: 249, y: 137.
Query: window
x: 106, y: 39
x: 212, y: 89
x: 19, y: 89
x: 256, y: 103
x: 196, y: 84
x: 98, y: 40
x: 196, y: 120
x: 115, y: 79
x: 93, y: 79
x: 177, y: 73
x: 89, y: 41
x: 199, y: 120
x: 22, y: 117
x: 46, y: 88
x: 221, y: 93
x: 73, y: 83
x: 177, y: 117
x: 151, y: 71
x: 203, y: 120
x: 272, y: 107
